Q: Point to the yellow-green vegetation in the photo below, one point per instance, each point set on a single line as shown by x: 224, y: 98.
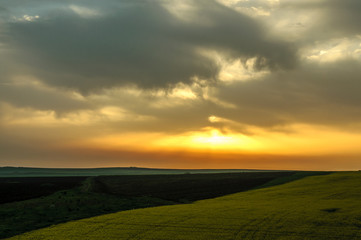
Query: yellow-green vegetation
x: 108, y: 194
x: 317, y: 207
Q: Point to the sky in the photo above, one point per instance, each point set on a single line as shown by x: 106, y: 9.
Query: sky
x: 246, y: 84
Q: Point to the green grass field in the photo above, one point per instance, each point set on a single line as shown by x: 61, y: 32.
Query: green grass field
x: 316, y: 207
x: 82, y: 197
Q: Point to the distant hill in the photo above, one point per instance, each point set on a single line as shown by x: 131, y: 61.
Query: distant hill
x: 58, y: 172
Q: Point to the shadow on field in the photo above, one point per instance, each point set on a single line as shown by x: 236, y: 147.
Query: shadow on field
x: 187, y: 188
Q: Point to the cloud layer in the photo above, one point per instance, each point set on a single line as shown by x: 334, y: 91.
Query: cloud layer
x: 97, y: 46
x: 73, y: 72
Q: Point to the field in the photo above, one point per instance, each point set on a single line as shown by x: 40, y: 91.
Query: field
x: 35, y: 202
x: 315, y: 207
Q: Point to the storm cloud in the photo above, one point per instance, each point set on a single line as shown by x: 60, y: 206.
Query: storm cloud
x: 140, y: 43
x: 334, y: 18
x: 315, y: 93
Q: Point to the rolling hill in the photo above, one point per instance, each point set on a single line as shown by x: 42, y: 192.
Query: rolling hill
x: 316, y: 207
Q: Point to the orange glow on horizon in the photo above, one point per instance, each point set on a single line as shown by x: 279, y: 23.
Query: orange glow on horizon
x: 306, y: 140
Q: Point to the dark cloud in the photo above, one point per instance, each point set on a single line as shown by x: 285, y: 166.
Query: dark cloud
x: 323, y: 93
x: 27, y: 96
x: 138, y: 43
x: 335, y: 18
x: 344, y: 16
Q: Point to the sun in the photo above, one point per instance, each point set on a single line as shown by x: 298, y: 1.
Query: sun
x: 213, y: 138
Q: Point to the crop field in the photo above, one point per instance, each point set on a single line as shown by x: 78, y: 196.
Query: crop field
x: 316, y: 207
x: 31, y: 203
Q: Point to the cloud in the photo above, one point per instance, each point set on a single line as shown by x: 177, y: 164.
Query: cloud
x: 314, y: 93
x: 84, y: 11
x: 343, y: 16
x: 83, y: 81
x: 137, y: 43
x: 107, y: 45
x: 32, y: 94
x: 334, y: 18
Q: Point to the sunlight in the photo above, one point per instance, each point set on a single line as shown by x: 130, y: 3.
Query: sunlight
x: 214, y: 138
x: 205, y: 139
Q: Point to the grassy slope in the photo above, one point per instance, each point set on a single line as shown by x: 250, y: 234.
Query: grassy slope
x: 109, y: 194
x: 317, y: 207
x: 63, y: 206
